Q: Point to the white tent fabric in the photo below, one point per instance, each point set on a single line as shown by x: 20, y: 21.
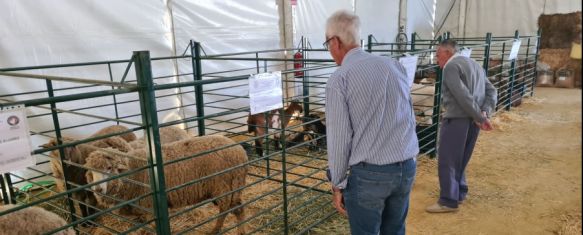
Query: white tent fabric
x: 41, y: 32
x: 225, y: 26
x: 474, y: 18
x: 56, y: 32
x: 420, y: 18
x: 379, y: 18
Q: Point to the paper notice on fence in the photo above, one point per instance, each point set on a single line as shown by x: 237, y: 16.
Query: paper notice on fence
x: 410, y: 64
x: 467, y: 52
x: 265, y: 92
x: 15, y: 142
x: 514, y: 51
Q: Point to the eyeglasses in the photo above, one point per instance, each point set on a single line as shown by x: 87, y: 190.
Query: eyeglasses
x: 325, y: 44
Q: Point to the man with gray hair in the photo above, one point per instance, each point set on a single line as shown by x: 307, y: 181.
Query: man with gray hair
x: 372, y: 144
x: 468, y: 100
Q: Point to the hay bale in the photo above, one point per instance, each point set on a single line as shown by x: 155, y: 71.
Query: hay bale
x: 555, y: 58
x: 559, y: 30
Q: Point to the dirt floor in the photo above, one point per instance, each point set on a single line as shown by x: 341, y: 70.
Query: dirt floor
x: 524, y: 177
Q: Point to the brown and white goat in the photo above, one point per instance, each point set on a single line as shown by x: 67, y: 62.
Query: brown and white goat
x: 257, y: 123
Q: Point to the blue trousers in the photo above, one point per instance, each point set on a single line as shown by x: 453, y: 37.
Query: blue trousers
x: 377, y: 197
x: 457, y: 138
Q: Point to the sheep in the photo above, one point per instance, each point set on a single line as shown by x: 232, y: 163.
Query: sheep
x: 128, y: 137
x: 177, y: 174
x: 31, y: 221
x: 168, y: 134
x: 77, y: 154
x: 422, y: 99
x: 257, y: 122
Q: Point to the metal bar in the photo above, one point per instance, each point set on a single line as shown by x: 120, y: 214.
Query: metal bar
x: 66, y: 79
x: 150, y: 119
x: 58, y: 99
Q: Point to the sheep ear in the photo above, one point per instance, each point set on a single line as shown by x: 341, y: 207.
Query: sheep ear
x: 89, y: 176
x: 51, y: 143
x: 122, y: 167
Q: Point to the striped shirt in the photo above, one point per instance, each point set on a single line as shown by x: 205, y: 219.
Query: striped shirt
x: 369, y: 114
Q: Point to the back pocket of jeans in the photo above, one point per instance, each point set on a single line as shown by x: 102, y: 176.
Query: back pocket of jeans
x: 371, y: 194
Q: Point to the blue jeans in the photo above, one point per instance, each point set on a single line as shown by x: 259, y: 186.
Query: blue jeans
x: 377, y: 197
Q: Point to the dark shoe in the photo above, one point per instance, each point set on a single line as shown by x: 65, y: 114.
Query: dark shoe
x: 437, y: 208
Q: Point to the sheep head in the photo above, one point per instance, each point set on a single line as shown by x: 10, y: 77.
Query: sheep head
x: 100, y: 165
x: 71, y: 153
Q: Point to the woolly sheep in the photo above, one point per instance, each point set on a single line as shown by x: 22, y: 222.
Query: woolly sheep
x: 168, y: 135
x: 77, y: 154
x: 31, y: 221
x: 422, y: 98
x: 178, y: 174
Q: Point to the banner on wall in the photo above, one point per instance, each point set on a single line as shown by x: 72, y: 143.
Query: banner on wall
x: 15, y: 147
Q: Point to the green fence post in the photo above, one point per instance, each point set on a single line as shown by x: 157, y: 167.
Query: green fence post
x: 413, y: 36
x: 436, y: 112
x: 198, y: 96
x: 150, y: 123
x: 305, y: 79
x: 369, y: 44
x: 114, y: 96
x: 4, y: 190
x: 524, y: 70
x: 57, y: 126
x: 487, y: 52
x: 538, y: 33
x: 512, y: 76
x: 284, y: 173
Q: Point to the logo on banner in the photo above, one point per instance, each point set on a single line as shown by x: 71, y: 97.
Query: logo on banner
x: 13, y: 120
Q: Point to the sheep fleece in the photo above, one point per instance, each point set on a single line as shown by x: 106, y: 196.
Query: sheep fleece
x: 185, y: 171
x: 31, y: 221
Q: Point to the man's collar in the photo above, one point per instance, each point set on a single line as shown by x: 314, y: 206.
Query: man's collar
x: 349, y: 54
x: 451, y: 58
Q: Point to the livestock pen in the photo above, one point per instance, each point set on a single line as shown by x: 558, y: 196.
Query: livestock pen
x: 285, y: 191
x: 509, y: 76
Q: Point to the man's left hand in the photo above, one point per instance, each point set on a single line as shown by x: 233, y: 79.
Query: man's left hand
x: 338, y: 201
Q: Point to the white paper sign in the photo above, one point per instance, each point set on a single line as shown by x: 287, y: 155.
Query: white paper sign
x: 15, y: 142
x: 410, y: 64
x: 265, y: 92
x: 467, y: 52
x: 514, y: 51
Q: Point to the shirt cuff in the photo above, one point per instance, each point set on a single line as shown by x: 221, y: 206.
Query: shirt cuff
x: 342, y: 184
